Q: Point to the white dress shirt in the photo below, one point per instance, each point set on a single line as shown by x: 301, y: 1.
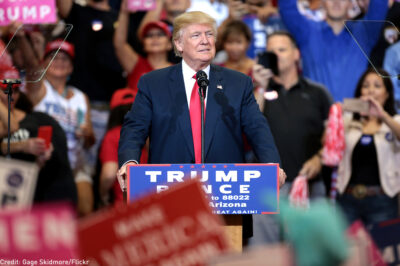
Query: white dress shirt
x: 189, y: 81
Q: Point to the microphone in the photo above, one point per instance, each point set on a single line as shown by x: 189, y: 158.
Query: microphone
x: 9, y: 83
x: 202, y: 81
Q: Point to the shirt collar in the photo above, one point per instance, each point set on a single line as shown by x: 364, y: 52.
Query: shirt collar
x: 277, y: 86
x: 188, y: 72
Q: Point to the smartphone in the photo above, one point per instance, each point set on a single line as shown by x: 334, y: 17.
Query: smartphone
x: 45, y: 132
x: 355, y: 105
x: 269, y: 60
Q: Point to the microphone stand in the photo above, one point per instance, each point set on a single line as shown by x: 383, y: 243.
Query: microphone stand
x: 202, y: 93
x: 9, y: 90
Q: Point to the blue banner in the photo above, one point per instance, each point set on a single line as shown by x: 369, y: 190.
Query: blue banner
x: 231, y: 188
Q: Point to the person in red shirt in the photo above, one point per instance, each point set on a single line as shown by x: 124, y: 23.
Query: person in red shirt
x: 156, y: 40
x: 121, y: 103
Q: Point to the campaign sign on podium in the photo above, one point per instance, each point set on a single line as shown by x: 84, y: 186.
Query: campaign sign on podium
x: 231, y: 188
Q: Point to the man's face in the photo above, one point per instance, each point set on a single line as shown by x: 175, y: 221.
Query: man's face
x: 197, y: 45
x: 288, y: 55
x: 336, y: 9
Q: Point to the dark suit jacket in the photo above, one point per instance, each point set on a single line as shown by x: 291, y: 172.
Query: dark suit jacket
x: 161, y: 112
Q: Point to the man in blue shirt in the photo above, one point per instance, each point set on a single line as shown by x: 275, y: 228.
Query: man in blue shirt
x: 330, y: 55
x: 391, y: 64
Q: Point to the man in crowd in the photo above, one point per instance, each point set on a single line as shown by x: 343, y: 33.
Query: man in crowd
x: 166, y: 108
x: 330, y: 55
x: 391, y: 64
x: 296, y: 110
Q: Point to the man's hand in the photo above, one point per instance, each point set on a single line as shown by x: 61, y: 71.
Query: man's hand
x: 35, y: 146
x: 14, y: 28
x: 263, y: 13
x: 311, y: 167
x: 38, y: 43
x: 261, y: 76
x: 282, y: 177
x: 45, y: 156
x: 237, y: 9
x: 375, y: 108
x: 121, y: 175
x: 86, y: 133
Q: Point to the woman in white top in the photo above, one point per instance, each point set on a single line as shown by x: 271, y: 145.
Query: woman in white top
x: 369, y: 174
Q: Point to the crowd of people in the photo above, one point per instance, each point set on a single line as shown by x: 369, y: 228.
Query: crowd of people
x: 92, y: 82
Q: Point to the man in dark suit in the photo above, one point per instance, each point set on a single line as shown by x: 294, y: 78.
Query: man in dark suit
x: 163, y: 108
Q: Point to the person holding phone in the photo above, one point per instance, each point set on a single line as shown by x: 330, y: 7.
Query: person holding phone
x: 296, y: 109
x: 369, y: 173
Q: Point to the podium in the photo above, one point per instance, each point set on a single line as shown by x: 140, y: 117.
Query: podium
x: 232, y: 189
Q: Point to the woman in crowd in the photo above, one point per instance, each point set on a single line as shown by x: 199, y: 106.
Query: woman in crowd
x: 369, y: 174
x: 235, y: 40
x: 155, y: 38
x: 110, y: 190
x: 55, y: 180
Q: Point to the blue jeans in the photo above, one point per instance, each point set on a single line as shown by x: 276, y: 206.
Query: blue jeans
x: 370, y: 210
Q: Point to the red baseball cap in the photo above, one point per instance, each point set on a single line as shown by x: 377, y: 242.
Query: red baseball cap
x: 65, y: 46
x: 156, y: 24
x: 122, y: 97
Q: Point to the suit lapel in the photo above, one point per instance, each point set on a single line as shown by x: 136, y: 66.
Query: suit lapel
x: 179, y: 100
x: 212, y: 112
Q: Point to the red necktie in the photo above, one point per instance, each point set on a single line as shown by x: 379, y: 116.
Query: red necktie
x: 195, y: 121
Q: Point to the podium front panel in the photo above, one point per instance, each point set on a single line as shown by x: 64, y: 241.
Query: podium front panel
x: 231, y: 188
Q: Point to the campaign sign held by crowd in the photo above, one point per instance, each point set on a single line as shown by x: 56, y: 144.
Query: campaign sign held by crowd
x: 175, y: 227
x: 231, y: 188
x: 44, y: 235
x: 17, y: 182
x: 27, y: 11
x: 143, y: 5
